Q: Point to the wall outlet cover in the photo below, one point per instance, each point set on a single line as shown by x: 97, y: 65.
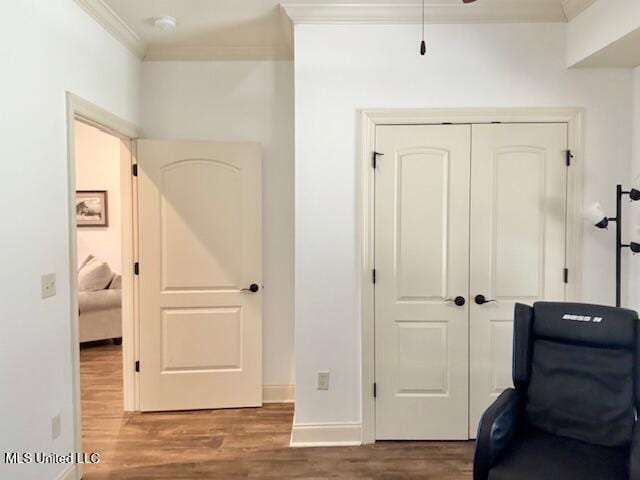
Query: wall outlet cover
x: 323, y: 380
x: 56, y: 427
x: 48, y: 284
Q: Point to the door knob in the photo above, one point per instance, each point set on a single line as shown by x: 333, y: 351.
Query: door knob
x: 459, y: 301
x: 253, y: 288
x: 481, y: 300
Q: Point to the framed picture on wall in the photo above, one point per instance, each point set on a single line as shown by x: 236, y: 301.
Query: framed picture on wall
x: 91, y: 208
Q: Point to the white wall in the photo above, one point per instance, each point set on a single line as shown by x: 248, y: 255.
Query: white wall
x: 599, y: 26
x: 342, y: 68
x: 241, y: 101
x: 46, y: 48
x: 98, y: 168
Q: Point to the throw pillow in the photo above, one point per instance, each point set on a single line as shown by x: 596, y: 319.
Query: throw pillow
x: 95, y: 275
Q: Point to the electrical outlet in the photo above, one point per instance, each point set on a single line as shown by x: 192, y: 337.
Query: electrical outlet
x: 48, y: 283
x: 323, y: 380
x: 56, y: 427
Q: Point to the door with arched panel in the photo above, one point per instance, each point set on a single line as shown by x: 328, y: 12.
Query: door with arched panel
x: 518, y: 237
x: 469, y: 220
x: 422, y: 280
x: 200, y: 275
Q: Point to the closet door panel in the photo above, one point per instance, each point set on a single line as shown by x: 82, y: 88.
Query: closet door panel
x: 421, y: 260
x: 518, y: 209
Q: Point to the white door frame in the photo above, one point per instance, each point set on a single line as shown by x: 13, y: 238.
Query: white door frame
x: 574, y: 117
x: 80, y: 109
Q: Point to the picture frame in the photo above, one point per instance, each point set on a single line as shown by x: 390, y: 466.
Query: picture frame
x: 92, y: 209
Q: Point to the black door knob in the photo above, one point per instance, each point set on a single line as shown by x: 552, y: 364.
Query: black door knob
x: 459, y: 301
x: 481, y: 300
x: 253, y: 288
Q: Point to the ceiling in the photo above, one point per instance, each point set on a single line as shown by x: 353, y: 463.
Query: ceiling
x: 251, y: 29
x: 260, y: 29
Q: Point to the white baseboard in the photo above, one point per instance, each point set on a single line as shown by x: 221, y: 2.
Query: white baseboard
x: 278, y: 393
x: 69, y: 474
x: 326, y: 435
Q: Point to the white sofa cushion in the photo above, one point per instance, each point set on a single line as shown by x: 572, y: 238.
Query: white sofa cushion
x: 101, y: 300
x: 95, y: 275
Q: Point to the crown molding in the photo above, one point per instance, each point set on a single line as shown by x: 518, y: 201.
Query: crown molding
x: 218, y: 53
x: 489, y: 11
x: 115, y: 25
x: 573, y: 8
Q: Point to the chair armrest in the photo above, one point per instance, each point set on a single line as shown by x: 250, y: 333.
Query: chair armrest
x: 634, y: 454
x: 498, y: 426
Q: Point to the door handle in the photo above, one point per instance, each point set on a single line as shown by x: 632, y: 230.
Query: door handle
x: 253, y: 288
x: 481, y: 300
x: 459, y: 301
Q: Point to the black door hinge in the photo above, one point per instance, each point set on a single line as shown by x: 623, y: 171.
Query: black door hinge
x: 134, y: 169
x: 136, y: 268
x: 375, y: 390
x: 373, y: 275
x: 568, y: 158
x: 137, y: 365
x: 375, y: 158
x: 566, y: 275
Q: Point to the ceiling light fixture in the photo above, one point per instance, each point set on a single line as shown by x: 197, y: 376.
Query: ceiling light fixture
x: 166, y: 22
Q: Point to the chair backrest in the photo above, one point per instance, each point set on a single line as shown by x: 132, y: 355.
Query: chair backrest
x: 577, y: 364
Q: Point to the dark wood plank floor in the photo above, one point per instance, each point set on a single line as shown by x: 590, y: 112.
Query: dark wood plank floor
x: 233, y: 444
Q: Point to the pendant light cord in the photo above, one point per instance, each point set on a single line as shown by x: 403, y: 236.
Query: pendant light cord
x: 423, y: 20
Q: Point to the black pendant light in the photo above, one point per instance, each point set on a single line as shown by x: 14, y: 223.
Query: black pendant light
x: 423, y: 44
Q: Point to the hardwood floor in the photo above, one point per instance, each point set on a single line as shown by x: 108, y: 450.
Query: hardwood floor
x: 232, y: 444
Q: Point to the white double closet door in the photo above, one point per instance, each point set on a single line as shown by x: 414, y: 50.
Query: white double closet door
x: 460, y: 211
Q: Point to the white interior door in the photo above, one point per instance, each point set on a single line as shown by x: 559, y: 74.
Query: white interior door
x: 199, y: 246
x: 518, y: 210
x: 421, y: 260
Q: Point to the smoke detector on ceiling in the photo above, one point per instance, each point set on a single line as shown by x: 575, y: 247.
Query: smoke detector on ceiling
x: 165, y: 22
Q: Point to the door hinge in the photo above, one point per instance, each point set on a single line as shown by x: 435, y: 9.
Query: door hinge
x: 137, y: 365
x: 134, y: 169
x: 373, y: 275
x: 136, y: 268
x: 375, y: 158
x: 375, y: 390
x: 568, y: 158
x: 566, y: 275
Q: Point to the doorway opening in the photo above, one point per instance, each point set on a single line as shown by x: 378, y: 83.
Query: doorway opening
x: 101, y: 251
x: 100, y: 170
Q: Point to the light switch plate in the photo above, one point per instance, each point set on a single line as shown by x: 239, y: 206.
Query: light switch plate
x: 49, y: 285
x: 323, y: 380
x: 56, y: 427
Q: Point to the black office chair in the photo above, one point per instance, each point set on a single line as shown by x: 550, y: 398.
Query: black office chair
x: 572, y: 414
